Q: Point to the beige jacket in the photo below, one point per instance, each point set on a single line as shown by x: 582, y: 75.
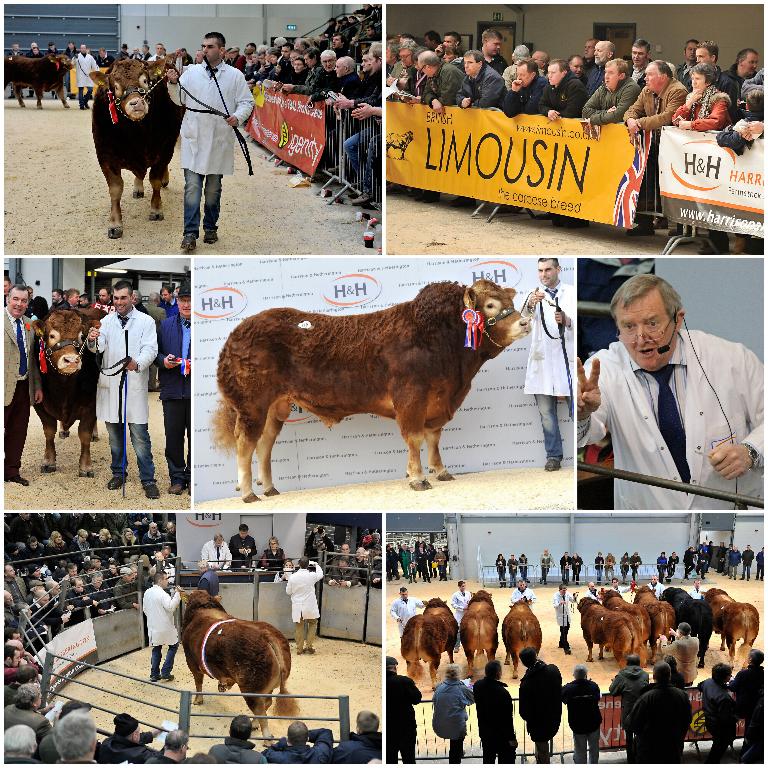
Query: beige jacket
x: 649, y: 116
x: 11, y: 359
x: 686, y: 651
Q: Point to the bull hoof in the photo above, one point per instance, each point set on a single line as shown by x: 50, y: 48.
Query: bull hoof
x: 420, y: 485
x: 156, y: 215
x: 64, y: 434
x: 23, y: 105
x: 514, y: 675
x: 39, y: 106
x: 94, y: 438
x: 86, y: 473
x: 115, y: 232
x: 137, y: 193
x: 66, y: 106
x: 47, y: 469
x: 445, y: 475
x: 165, y: 184
x: 251, y: 497
x: 197, y: 700
x: 237, y: 487
x: 272, y: 492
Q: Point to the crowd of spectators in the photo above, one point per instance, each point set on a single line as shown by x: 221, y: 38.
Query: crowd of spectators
x: 419, y: 560
x: 596, y: 87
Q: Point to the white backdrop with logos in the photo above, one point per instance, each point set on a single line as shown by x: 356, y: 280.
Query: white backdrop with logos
x: 497, y: 427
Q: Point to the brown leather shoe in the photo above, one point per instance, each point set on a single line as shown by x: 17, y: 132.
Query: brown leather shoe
x: 176, y: 489
x: 18, y: 479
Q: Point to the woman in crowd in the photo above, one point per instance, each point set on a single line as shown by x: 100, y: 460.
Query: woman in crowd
x: 56, y: 546
x: 80, y: 548
x: 449, y: 714
x: 103, y: 544
x: 272, y: 557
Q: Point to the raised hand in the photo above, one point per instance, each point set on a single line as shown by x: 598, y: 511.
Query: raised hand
x: 588, y: 396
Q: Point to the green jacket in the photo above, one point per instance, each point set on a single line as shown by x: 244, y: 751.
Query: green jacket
x: 405, y: 557
x: 443, y: 86
x: 310, y: 83
x: 598, y: 104
x: 125, y: 594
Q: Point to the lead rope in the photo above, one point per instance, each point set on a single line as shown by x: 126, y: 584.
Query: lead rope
x: 561, y: 336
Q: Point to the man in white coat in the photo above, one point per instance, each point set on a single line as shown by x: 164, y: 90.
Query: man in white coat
x: 459, y: 602
x: 84, y: 65
x: 159, y: 608
x: 680, y: 406
x: 142, y: 350
x: 546, y: 377
x: 404, y: 608
x: 207, y: 140
x: 304, y: 609
x: 216, y: 553
x: 522, y: 592
x: 563, y: 603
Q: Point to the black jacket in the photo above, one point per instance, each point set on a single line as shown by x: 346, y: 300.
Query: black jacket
x: 402, y: 694
x: 526, y: 100
x: 494, y: 710
x: 582, y: 698
x: 660, y: 720
x: 236, y: 544
x: 361, y: 749
x: 236, y: 751
x: 568, y: 98
x: 540, y: 705
x: 717, y: 703
x: 119, y: 749
x: 748, y: 686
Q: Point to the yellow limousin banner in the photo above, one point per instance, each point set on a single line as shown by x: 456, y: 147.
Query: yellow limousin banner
x: 527, y: 161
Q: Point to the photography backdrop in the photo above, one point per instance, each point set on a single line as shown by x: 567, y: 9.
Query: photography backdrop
x: 497, y: 427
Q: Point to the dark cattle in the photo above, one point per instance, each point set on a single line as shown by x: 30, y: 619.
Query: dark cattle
x: 69, y: 375
x: 250, y: 654
x: 479, y: 628
x: 662, y: 615
x: 697, y: 613
x: 610, y: 630
x: 137, y: 132
x: 45, y: 74
x: 733, y: 621
x: 407, y: 362
x: 615, y: 602
x: 427, y: 636
x: 521, y: 629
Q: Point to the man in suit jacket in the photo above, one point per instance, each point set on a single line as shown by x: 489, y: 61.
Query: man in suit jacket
x: 22, y: 380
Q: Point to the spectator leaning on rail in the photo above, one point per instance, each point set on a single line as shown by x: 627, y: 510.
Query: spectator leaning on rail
x: 364, y: 745
x: 614, y: 97
x: 128, y: 743
x: 294, y: 747
x: 540, y: 705
x: 24, y: 711
x: 582, y: 698
x: 483, y: 87
x: 495, y: 716
x: 175, y: 749
x: 525, y: 90
x: 236, y: 747
x: 719, y: 711
x: 565, y: 95
x: 449, y: 711
x: 73, y: 740
x: 629, y: 683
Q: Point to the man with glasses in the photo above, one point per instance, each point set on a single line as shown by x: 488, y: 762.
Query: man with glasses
x: 679, y: 406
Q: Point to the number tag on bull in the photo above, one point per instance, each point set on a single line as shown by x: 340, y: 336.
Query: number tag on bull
x: 475, y: 323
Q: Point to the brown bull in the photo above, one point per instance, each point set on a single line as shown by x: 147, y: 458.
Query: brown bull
x: 521, y: 629
x: 479, y: 628
x: 733, y: 621
x: 43, y: 74
x: 69, y: 374
x: 407, y: 362
x: 250, y: 654
x: 615, y: 602
x: 610, y: 630
x: 662, y: 616
x: 426, y: 636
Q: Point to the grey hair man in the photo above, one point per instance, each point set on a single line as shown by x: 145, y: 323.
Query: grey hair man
x: 582, y: 697
x: 604, y: 52
x: 75, y: 737
x: 19, y: 744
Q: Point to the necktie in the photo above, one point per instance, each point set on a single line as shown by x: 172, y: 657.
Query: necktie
x: 670, y: 426
x: 22, y: 349
x: 552, y: 292
x: 123, y: 320
x: 218, y: 557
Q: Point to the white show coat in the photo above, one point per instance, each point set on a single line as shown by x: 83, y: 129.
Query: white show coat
x: 207, y: 141
x: 209, y: 553
x: 546, y: 373
x: 159, y: 608
x: 658, y: 590
x: 459, y: 603
x: 142, y: 347
x: 625, y: 411
x: 596, y: 598
x: 84, y: 65
x: 696, y: 594
x: 517, y: 595
x: 403, y: 611
x: 301, y: 588
x: 562, y: 605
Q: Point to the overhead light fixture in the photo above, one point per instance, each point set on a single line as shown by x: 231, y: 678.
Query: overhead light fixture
x: 111, y: 271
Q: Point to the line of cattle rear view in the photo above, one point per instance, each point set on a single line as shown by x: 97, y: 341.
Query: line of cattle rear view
x: 613, y: 625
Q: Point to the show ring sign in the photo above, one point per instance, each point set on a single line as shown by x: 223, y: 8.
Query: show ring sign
x: 290, y: 126
x: 709, y: 186
x: 526, y: 161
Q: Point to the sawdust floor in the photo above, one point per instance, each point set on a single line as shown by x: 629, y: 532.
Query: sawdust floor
x: 63, y: 489
x: 602, y: 672
x: 50, y: 158
x: 496, y: 489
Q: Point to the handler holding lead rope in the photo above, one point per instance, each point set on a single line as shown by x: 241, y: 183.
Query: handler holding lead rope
x: 217, y: 100
x: 113, y: 406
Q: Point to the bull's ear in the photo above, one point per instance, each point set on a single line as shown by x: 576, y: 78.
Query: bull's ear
x: 512, y: 293
x: 155, y: 69
x: 470, y: 297
x: 99, y: 78
x: 39, y: 327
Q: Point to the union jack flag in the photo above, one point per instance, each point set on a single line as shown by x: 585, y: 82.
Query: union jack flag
x: 625, y: 205
x: 185, y: 367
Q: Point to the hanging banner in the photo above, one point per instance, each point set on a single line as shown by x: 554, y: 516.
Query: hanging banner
x: 557, y: 167
x: 706, y: 185
x: 77, y: 643
x: 290, y: 126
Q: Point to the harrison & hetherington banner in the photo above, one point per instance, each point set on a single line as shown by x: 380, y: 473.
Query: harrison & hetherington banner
x: 290, y: 126
x: 709, y: 186
x: 528, y: 161
x: 497, y: 427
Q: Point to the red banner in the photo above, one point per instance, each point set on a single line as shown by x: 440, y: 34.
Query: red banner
x: 612, y: 735
x: 289, y: 126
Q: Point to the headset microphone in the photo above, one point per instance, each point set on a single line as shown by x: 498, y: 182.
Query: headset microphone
x: 663, y: 350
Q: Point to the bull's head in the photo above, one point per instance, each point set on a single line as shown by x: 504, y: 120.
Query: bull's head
x: 503, y: 322
x: 62, y: 61
x: 62, y: 333
x: 131, y: 81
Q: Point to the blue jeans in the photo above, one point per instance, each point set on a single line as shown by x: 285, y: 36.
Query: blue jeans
x: 84, y: 95
x: 141, y: 445
x: 193, y: 192
x: 352, y: 151
x: 157, y: 654
x: 553, y: 442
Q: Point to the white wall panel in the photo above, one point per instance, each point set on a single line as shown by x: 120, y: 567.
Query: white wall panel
x: 750, y: 529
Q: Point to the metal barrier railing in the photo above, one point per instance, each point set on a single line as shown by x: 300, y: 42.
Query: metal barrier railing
x: 739, y: 500
x: 593, y: 309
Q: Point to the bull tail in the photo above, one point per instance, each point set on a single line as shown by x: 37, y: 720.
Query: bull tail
x: 287, y: 707
x: 223, y: 423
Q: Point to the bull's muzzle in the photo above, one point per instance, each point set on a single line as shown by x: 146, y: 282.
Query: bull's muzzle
x: 68, y: 361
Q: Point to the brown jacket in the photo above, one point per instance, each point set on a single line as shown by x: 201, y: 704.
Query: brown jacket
x: 686, y: 651
x: 11, y: 357
x: 649, y: 117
